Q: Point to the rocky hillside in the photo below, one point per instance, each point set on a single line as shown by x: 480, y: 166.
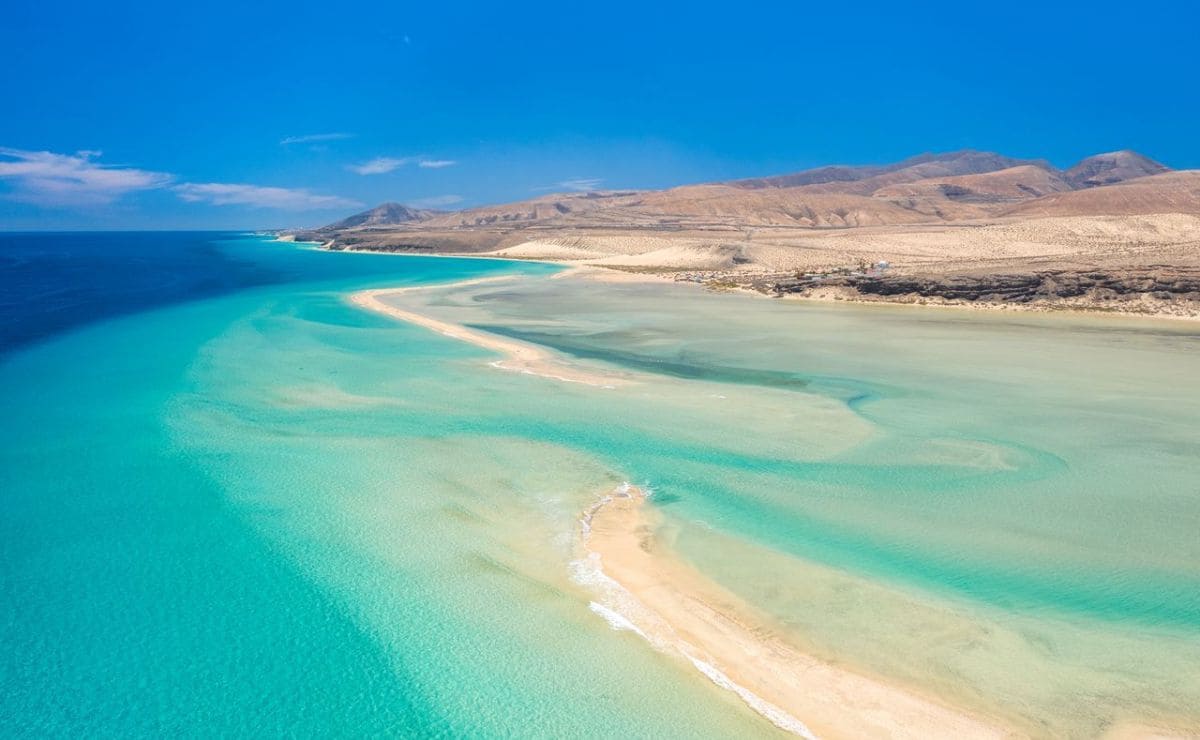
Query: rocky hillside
x: 1169, y: 192
x: 1112, y: 168
x: 965, y: 162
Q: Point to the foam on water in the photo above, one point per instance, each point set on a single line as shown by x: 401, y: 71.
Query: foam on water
x: 777, y: 716
x: 616, y: 620
x: 625, y: 612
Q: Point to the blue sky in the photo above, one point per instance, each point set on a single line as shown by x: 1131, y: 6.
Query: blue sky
x: 198, y: 115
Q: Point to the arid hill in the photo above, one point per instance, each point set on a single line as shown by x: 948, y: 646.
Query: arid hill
x: 1170, y: 192
x: 974, y: 196
x: 965, y: 162
x: 387, y: 214
x: 931, y: 188
x: 1111, y: 168
x: 559, y: 207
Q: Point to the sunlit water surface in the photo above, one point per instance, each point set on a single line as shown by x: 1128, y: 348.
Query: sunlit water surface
x: 260, y: 508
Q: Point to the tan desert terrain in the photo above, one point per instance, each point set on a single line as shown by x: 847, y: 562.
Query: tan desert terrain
x: 1116, y: 232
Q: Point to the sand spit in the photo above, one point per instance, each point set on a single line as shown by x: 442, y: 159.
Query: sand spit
x: 518, y: 356
x: 641, y: 587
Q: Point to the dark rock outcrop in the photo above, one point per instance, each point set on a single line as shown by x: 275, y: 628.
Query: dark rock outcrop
x: 1100, y: 285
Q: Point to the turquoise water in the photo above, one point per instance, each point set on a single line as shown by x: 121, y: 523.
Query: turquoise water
x: 261, y: 510
x: 177, y: 559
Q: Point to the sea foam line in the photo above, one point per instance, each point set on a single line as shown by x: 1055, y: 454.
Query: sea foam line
x: 623, y: 611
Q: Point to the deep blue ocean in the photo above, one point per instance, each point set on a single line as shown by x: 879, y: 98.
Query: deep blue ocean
x: 51, y: 282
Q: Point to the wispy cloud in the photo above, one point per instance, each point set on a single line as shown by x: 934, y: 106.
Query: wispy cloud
x: 46, y: 178
x: 578, y: 184
x: 581, y: 184
x: 257, y: 196
x: 384, y: 165
x: 313, y: 138
x: 436, y: 201
x: 379, y: 165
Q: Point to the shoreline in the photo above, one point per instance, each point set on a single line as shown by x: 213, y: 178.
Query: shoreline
x: 846, y: 295
x: 721, y: 282
x: 643, y: 588
x: 519, y: 357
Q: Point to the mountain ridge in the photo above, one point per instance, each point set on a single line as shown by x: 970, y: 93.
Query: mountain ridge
x: 931, y: 187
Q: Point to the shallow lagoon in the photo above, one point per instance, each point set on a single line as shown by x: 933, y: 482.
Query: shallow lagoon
x: 270, y: 508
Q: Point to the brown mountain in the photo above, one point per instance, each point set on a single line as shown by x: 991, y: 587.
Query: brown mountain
x: 1013, y: 184
x: 928, y: 189
x: 949, y: 164
x: 728, y: 205
x: 1169, y: 192
x: 974, y: 196
x: 387, y: 214
x: 1111, y: 168
x: 559, y: 207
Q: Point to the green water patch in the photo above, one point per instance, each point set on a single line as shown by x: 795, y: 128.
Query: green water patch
x: 686, y: 366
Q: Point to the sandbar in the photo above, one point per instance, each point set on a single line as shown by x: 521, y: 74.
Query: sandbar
x: 519, y: 357
x: 643, y: 587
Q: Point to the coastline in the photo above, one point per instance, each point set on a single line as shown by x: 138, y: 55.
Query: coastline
x: 719, y: 282
x: 642, y: 587
x: 751, y: 283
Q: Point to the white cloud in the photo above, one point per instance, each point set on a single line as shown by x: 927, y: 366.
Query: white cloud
x: 46, y: 178
x: 379, y: 165
x: 581, y: 184
x: 313, y: 138
x: 256, y: 196
x: 384, y: 165
x: 437, y: 201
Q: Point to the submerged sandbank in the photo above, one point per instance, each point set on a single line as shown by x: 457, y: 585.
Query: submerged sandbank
x: 642, y: 587
x: 519, y: 356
